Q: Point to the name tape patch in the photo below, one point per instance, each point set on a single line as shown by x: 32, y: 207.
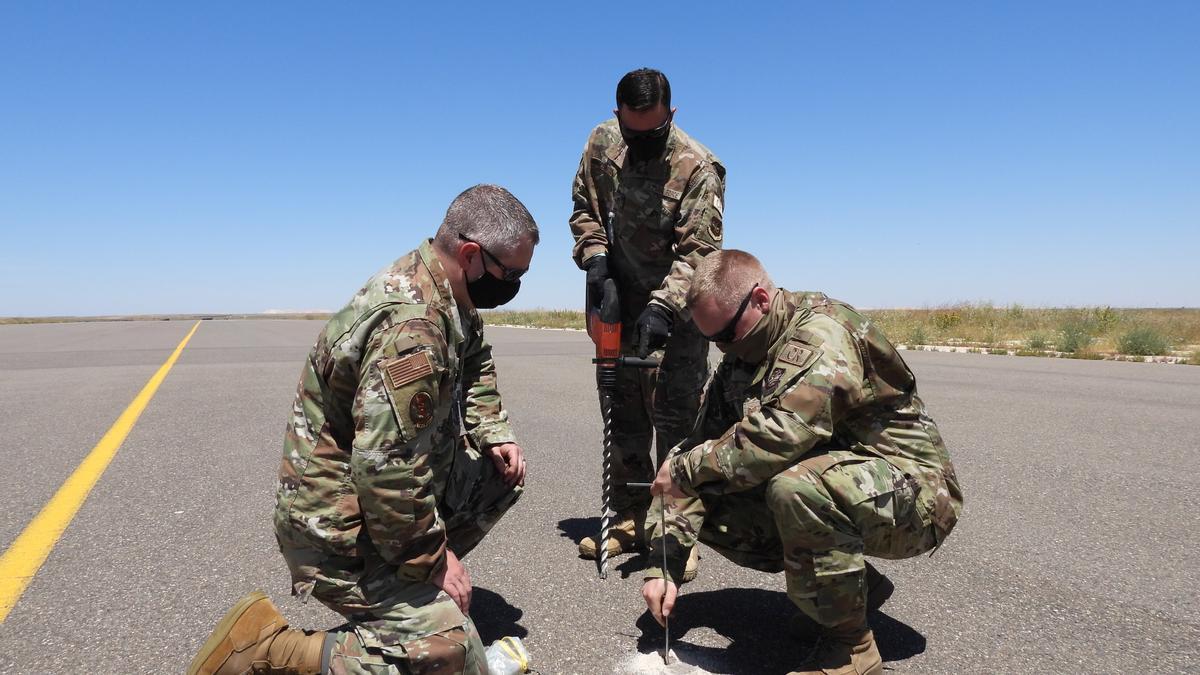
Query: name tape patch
x: 797, y: 354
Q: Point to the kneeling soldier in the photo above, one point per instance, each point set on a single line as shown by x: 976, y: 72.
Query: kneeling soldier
x: 380, y: 493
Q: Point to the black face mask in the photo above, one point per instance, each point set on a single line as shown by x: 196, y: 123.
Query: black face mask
x: 489, y: 291
x: 649, y: 144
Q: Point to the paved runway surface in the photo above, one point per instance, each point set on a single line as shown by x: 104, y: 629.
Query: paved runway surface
x: 1076, y: 551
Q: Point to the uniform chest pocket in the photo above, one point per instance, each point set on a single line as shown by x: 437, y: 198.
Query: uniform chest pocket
x: 648, y: 205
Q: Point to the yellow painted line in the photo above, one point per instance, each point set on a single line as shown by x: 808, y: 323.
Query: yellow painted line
x: 24, y: 558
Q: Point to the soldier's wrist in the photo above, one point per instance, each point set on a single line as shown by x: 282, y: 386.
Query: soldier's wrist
x: 493, y: 435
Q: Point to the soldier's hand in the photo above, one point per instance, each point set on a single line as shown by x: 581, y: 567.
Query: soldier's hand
x: 597, y: 272
x: 456, y: 581
x: 660, y: 595
x: 653, y: 329
x: 509, y: 460
x: 664, y: 483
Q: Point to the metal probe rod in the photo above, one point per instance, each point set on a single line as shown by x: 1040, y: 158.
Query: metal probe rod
x: 662, y: 529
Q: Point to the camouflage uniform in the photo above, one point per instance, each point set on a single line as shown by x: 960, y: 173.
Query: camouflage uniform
x: 810, y: 459
x: 377, y: 479
x: 666, y: 216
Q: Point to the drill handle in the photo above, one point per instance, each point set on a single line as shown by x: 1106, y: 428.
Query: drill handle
x: 637, y: 362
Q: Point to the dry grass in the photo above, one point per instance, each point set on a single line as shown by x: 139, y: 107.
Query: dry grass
x: 1082, y: 331
x: 1098, y: 330
x: 537, y: 318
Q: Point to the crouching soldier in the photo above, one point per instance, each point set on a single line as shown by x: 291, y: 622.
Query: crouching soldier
x: 812, y: 450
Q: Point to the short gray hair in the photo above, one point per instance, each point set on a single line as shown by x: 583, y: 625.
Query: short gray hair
x: 727, y: 276
x: 490, y: 216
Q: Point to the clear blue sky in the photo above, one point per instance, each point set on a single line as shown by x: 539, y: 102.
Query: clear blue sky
x: 234, y: 156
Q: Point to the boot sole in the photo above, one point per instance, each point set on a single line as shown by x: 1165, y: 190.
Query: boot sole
x: 223, y: 627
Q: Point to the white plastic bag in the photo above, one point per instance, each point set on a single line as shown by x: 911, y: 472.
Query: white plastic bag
x: 507, y: 656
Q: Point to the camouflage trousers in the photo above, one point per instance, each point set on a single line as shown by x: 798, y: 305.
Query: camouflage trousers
x: 814, y: 521
x: 395, y: 626
x: 655, y: 408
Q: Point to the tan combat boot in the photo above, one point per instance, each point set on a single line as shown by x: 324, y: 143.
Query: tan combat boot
x: 254, y: 638
x: 624, y: 537
x: 845, y: 652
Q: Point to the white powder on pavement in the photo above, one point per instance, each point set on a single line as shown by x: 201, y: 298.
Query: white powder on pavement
x: 652, y: 664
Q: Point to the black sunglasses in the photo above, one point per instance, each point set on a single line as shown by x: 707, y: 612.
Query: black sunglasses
x: 729, y: 332
x: 648, y: 134
x: 508, y: 274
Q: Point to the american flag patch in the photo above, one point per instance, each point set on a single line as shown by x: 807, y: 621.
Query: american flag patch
x: 408, y: 369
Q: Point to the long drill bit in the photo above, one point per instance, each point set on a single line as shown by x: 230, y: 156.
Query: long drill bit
x: 607, y: 486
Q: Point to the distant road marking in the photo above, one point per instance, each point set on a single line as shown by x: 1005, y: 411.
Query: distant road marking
x: 24, y: 558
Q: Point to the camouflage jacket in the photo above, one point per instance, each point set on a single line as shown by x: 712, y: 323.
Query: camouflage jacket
x: 392, y: 381
x: 830, y: 381
x: 666, y: 215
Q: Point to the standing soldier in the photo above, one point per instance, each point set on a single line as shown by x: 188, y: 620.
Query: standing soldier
x: 648, y: 208
x: 813, y: 450
x: 380, y: 492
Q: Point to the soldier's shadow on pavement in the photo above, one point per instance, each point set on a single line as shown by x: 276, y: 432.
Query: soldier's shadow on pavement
x: 576, y: 529
x: 494, y: 617
x: 758, y: 626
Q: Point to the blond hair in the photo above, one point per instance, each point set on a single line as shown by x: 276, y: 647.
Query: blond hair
x: 727, y: 276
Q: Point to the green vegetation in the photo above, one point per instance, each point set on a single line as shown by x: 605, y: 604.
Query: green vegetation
x: 1143, y: 341
x: 1076, y: 335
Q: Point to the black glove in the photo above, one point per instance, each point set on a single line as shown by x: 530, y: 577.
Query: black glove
x: 597, y: 272
x: 653, y: 329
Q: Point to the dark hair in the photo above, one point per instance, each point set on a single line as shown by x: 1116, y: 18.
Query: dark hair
x: 490, y: 216
x: 643, y: 89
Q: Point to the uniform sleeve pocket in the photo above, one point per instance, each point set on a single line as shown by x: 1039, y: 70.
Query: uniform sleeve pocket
x: 411, y: 384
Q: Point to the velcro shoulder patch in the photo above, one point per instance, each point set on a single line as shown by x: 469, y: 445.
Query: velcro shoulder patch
x: 670, y: 193
x: 408, y: 369
x: 798, y: 354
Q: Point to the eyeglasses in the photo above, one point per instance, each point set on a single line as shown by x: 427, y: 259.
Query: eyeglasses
x: 729, y: 332
x: 648, y: 134
x: 508, y: 274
